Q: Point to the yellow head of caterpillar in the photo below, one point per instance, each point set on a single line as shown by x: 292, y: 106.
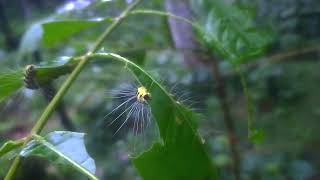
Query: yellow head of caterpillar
x: 142, y: 94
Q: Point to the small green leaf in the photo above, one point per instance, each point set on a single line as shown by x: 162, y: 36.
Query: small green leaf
x: 256, y: 136
x: 10, y: 146
x: 10, y: 81
x: 45, y: 73
x: 58, y: 31
x: 230, y: 31
x: 63, y: 147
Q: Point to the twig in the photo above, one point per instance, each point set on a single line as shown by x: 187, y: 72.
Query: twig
x: 273, y: 58
x: 284, y: 55
x: 223, y: 100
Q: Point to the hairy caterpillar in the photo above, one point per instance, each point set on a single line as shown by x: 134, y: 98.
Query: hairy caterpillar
x: 29, y: 73
x: 133, y: 107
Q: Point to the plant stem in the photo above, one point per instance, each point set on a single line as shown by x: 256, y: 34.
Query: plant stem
x: 109, y: 30
x: 250, y: 107
x: 48, y: 92
x: 223, y: 100
x: 41, y: 122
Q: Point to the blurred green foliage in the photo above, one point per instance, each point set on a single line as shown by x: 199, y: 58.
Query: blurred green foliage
x: 285, y: 93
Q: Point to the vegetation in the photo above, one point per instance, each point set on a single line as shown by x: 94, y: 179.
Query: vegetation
x: 159, y: 89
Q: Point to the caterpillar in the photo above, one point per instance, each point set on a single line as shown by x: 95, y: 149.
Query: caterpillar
x: 29, y: 73
x: 142, y: 94
x: 133, y: 107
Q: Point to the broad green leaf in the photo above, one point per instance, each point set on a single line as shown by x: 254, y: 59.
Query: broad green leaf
x: 230, y: 31
x: 65, y: 148
x: 58, y: 31
x: 182, y: 153
x: 10, y: 146
x: 10, y: 81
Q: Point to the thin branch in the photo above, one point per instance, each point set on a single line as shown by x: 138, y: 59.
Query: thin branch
x: 281, y: 56
x: 162, y: 13
x: 112, y: 27
x: 285, y: 55
x: 231, y: 132
x: 250, y: 106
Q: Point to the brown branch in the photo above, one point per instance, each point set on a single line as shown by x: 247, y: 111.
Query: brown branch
x: 270, y: 59
x: 284, y: 55
x: 229, y: 123
x: 182, y: 32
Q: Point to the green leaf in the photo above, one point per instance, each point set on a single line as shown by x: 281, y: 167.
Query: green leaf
x: 10, y: 81
x: 256, y: 136
x: 10, y: 146
x: 63, y: 147
x: 58, y: 31
x: 182, y: 153
x: 230, y: 31
x: 47, y: 72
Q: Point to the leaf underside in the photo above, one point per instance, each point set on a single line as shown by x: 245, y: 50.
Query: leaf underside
x: 62, y: 147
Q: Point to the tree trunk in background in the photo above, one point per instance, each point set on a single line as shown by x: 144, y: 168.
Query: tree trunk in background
x: 182, y: 35
x: 25, y: 9
x: 181, y: 32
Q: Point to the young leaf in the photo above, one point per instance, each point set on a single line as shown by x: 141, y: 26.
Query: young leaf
x: 58, y: 31
x: 231, y: 32
x: 45, y: 73
x: 49, y: 71
x: 182, y: 155
x: 63, y: 147
x: 10, y: 146
x: 10, y: 81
